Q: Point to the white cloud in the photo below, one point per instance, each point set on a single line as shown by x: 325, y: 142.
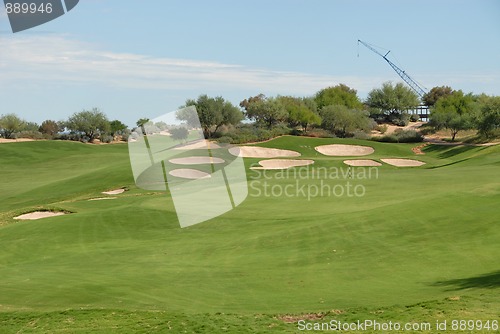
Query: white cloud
x: 57, y: 60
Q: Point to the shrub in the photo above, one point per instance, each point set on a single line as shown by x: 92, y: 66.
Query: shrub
x: 402, y: 136
x: 225, y: 140
x: 402, y: 119
x: 29, y: 134
x: 106, y: 139
x: 414, y: 117
x: 382, y: 128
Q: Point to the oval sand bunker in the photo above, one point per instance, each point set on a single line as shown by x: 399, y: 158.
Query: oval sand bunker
x: 362, y: 163
x: 261, y: 152
x: 196, y: 161
x: 341, y: 150
x: 282, y: 164
x: 187, y: 173
x: 114, y: 192
x: 403, y: 162
x: 39, y: 215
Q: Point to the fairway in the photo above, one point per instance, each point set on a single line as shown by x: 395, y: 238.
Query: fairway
x: 416, y: 235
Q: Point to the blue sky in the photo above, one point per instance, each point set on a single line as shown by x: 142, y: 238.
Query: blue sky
x: 136, y: 59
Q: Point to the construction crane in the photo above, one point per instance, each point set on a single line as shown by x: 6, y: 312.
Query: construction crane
x: 413, y: 85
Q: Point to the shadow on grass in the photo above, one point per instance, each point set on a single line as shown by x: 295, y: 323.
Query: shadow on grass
x: 486, y: 281
x: 445, y: 152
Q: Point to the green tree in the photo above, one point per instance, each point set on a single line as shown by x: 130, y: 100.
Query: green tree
x: 142, y: 121
x: 264, y: 110
x: 344, y: 121
x: 180, y: 133
x: 300, y: 111
x: 338, y: 95
x: 116, y: 127
x: 213, y: 112
x: 10, y: 124
x: 489, y: 119
x: 49, y: 127
x: 92, y: 123
x: 435, y: 94
x: 455, y: 112
x: 392, y: 99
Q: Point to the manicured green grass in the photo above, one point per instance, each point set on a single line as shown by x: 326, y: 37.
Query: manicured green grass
x: 417, y: 237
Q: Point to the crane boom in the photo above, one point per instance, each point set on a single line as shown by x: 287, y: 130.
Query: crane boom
x: 409, y: 81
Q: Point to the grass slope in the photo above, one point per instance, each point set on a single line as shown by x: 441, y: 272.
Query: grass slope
x: 419, y: 234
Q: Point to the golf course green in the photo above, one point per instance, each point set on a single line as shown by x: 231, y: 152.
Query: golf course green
x: 420, y: 244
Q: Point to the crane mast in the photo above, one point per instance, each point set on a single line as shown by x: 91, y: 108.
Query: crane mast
x: 406, y: 78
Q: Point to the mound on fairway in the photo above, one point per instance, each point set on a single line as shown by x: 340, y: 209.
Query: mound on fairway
x: 362, y: 163
x: 282, y: 163
x: 196, y: 161
x: 39, y: 215
x: 261, y: 152
x: 188, y: 173
x: 403, y: 162
x: 340, y: 150
x: 114, y: 192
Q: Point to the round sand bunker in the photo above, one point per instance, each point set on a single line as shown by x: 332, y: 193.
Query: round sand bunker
x: 403, y: 162
x: 187, y: 173
x: 39, y: 215
x: 196, y: 161
x: 340, y: 150
x: 362, y: 163
x: 261, y: 152
x: 282, y: 164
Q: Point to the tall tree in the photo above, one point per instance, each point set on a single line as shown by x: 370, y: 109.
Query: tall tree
x: 116, y: 127
x: 213, y: 112
x: 344, y: 121
x: 49, y: 127
x: 264, y: 110
x: 92, y: 123
x: 338, y: 95
x: 392, y: 99
x: 435, y: 94
x: 300, y: 111
x: 455, y: 112
x: 489, y: 120
x: 9, y: 124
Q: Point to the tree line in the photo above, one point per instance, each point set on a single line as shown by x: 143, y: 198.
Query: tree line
x: 332, y: 111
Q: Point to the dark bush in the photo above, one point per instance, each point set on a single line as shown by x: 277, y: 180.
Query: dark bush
x: 401, y: 136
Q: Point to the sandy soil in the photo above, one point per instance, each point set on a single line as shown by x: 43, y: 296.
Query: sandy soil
x: 114, y: 192
x: 3, y: 140
x: 187, y: 173
x: 101, y: 198
x: 391, y: 128
x: 261, y: 152
x: 362, y: 163
x: 403, y: 162
x: 344, y: 150
x: 39, y: 215
x: 197, y: 161
x: 282, y: 163
x: 201, y: 144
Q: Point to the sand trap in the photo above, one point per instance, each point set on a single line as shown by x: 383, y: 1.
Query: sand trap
x: 187, y: 173
x: 282, y: 164
x: 344, y: 150
x: 197, y: 161
x: 403, y: 162
x: 114, y: 192
x: 19, y: 140
x: 261, y: 152
x: 201, y: 144
x: 362, y: 163
x: 39, y: 215
x: 101, y: 198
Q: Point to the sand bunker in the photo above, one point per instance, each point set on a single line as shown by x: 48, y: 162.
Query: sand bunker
x: 362, y: 163
x: 201, y: 144
x: 114, y: 192
x: 282, y: 164
x: 187, y: 173
x: 403, y: 162
x: 261, y: 152
x: 344, y: 150
x: 101, y: 198
x: 39, y: 215
x: 197, y: 161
